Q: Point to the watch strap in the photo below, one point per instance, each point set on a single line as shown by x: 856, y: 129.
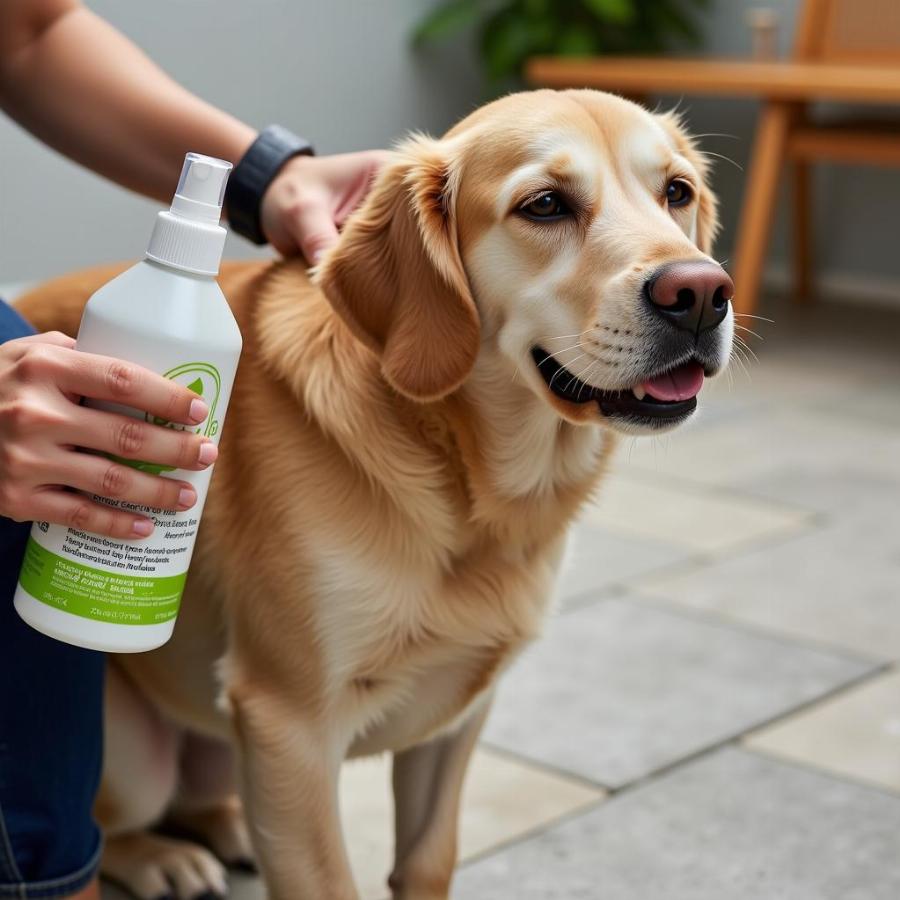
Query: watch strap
x: 252, y: 176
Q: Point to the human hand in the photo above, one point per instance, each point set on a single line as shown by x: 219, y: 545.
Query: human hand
x: 311, y: 198
x: 42, y: 379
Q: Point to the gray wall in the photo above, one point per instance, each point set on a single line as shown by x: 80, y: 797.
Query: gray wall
x: 341, y: 72
x: 337, y: 71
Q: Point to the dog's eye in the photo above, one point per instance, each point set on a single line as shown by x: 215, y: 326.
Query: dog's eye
x: 679, y: 193
x: 548, y: 206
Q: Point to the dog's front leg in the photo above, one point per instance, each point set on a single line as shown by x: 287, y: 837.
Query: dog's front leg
x: 290, y: 766
x: 428, y: 781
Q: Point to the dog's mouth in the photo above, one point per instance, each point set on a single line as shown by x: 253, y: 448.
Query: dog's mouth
x: 662, y: 399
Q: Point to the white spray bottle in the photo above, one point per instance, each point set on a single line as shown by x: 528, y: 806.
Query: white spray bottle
x: 167, y: 314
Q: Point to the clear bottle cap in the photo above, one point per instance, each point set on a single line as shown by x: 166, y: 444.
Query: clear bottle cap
x: 188, y: 235
x: 201, y: 188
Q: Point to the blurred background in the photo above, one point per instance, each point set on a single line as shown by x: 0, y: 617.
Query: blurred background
x: 345, y: 74
x: 715, y: 710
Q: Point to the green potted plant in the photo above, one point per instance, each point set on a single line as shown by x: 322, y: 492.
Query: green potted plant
x: 510, y: 31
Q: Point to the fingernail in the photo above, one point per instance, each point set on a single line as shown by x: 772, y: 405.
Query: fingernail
x: 186, y: 497
x: 317, y: 257
x: 142, y: 527
x: 208, y: 453
x: 198, y: 411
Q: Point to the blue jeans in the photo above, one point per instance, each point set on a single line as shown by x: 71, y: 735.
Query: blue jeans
x: 51, y: 737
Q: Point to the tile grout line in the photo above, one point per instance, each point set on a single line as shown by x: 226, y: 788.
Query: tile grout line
x: 733, y: 740
x: 712, y: 489
x: 581, y: 602
x: 698, y: 560
x: 547, y: 768
x: 736, y: 738
x: 835, y: 693
x: 534, y: 832
x: 788, y: 640
x: 821, y: 770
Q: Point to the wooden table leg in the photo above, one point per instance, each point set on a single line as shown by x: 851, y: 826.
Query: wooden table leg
x: 760, y: 196
x: 801, y: 225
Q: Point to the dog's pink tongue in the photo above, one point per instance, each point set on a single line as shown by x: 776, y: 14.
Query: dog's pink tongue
x: 679, y: 384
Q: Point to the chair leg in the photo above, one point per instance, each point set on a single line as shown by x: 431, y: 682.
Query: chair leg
x: 802, y: 231
x: 760, y: 197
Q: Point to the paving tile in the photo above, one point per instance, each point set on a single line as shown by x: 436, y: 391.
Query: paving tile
x: 598, y: 558
x: 873, y: 404
x: 732, y: 825
x: 838, y: 584
x: 503, y: 799
x: 735, y: 452
x: 616, y: 690
x: 679, y: 514
x: 856, y: 734
x: 847, y: 489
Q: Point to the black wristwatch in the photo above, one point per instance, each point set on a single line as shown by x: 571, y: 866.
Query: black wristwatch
x: 254, y: 173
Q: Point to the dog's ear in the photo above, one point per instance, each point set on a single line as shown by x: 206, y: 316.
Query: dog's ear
x: 707, y: 204
x: 397, y: 279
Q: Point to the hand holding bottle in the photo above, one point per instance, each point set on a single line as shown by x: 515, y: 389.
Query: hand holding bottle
x: 42, y: 379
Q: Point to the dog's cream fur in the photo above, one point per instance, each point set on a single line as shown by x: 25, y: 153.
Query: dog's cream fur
x: 393, y: 493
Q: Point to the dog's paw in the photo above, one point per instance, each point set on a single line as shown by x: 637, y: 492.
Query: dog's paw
x: 223, y: 829
x: 153, y: 867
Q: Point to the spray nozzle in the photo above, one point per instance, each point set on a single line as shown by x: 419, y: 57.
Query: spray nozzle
x: 201, y: 188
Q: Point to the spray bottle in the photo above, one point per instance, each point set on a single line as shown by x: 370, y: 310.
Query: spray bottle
x: 167, y: 314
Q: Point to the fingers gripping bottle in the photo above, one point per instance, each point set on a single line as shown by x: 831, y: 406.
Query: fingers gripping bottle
x: 167, y: 314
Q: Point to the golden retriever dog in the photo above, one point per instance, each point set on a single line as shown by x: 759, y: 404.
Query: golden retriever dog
x: 413, y: 429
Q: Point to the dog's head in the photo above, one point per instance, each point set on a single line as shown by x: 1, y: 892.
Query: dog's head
x: 564, y: 235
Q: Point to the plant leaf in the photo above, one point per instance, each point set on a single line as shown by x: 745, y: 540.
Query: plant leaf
x: 577, y: 41
x: 506, y: 42
x: 451, y: 16
x: 621, y: 12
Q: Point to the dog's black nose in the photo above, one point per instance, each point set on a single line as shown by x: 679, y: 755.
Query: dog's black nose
x: 691, y: 295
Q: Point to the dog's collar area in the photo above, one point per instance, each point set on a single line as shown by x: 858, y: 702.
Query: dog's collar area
x: 622, y: 403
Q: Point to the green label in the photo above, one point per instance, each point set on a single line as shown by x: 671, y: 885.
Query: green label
x: 97, y: 594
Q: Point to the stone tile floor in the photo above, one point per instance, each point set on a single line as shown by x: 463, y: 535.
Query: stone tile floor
x: 715, y: 710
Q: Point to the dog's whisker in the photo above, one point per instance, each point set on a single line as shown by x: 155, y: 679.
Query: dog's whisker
x: 749, y: 331
x: 574, y: 376
x: 561, y: 337
x: 586, y: 376
x: 745, y: 346
x: 738, y: 357
x: 727, y: 159
x: 577, y: 346
x: 556, y: 374
x: 738, y: 315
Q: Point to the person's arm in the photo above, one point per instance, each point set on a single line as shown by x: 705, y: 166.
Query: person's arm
x: 72, y: 80
x: 75, y: 82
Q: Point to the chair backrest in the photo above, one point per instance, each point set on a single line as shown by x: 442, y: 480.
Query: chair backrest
x: 851, y: 31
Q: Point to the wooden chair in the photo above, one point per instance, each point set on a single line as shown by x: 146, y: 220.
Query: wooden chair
x: 844, y: 50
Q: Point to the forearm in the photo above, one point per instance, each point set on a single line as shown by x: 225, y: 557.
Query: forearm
x: 90, y: 93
